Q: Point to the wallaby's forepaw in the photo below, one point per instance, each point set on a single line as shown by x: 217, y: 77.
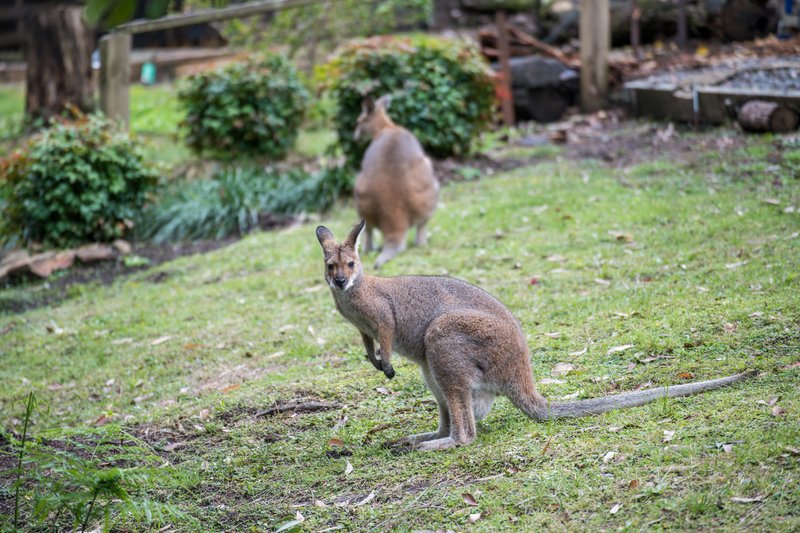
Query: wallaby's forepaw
x: 388, y: 370
x: 375, y: 362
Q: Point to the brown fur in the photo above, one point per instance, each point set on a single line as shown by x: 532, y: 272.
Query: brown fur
x: 396, y: 188
x: 468, y: 345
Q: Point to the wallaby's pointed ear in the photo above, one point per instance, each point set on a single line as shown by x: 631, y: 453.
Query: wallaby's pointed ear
x: 367, y: 105
x: 384, y: 101
x: 325, y: 238
x: 352, y: 238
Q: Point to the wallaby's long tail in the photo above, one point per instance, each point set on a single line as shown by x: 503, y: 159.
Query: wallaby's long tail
x: 596, y: 406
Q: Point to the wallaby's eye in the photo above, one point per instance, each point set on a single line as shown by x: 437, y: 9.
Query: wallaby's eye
x: 351, y: 264
x: 330, y: 268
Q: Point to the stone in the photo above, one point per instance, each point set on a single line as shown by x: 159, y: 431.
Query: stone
x: 122, y: 246
x: 45, y: 264
x: 95, y: 252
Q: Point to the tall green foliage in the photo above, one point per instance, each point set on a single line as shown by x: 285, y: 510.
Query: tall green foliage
x: 252, y: 108
x: 441, y: 90
x: 235, y: 200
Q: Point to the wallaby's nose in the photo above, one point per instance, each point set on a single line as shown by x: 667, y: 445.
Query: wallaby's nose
x: 339, y: 281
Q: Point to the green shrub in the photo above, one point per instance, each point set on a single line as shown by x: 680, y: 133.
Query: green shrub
x: 76, y: 181
x: 235, y: 201
x: 252, y: 108
x: 441, y: 90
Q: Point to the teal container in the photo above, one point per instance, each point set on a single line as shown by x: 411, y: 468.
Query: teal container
x: 148, y: 75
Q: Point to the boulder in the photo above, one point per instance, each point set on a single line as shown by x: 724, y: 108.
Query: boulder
x: 543, y: 88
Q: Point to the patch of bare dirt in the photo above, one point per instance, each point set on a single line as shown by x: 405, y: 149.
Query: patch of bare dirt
x: 56, y: 288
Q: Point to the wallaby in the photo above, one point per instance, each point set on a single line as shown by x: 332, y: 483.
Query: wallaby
x: 396, y: 188
x: 469, y: 346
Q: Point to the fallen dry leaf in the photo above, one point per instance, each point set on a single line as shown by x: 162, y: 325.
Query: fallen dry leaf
x: 174, y: 446
x: 615, y: 509
x: 778, y: 411
x: 383, y: 390
x: 348, y: 468
x: 796, y: 364
x: 731, y: 266
x: 160, y: 340
x: 668, y: 434
x: 609, y: 456
x: 633, y: 484
x: 740, y: 499
x: 621, y: 236
x: 729, y: 327
x: 601, y: 281
x: 336, y: 442
x: 369, y: 498
x: 553, y: 335
x: 579, y: 352
x: 619, y: 349
x: 772, y: 201
x: 230, y: 388
x: 469, y: 499
x: 474, y: 518
x: 204, y: 414
x: 550, y: 381
x: 792, y: 450
x: 562, y: 369
x: 686, y: 375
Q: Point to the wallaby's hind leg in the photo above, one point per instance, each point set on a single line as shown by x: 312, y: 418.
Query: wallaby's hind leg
x: 455, y: 387
x: 421, y: 238
x: 444, y: 416
x: 367, y: 239
x: 392, y: 245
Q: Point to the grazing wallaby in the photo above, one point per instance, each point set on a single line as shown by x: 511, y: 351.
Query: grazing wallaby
x: 396, y: 188
x: 469, y: 346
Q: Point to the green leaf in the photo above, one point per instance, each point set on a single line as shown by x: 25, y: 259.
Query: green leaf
x: 95, y: 9
x: 156, y: 8
x: 122, y: 12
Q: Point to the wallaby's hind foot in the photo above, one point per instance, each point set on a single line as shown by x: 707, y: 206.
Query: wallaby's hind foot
x: 390, y: 249
x: 439, y: 444
x: 421, y: 238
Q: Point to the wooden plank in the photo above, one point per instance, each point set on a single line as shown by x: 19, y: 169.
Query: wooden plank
x: 507, y: 102
x: 595, y: 41
x: 115, y: 50
x: 211, y: 15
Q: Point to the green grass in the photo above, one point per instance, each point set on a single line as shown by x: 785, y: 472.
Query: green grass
x: 708, y: 287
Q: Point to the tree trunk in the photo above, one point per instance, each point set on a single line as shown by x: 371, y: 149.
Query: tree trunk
x: 761, y: 116
x: 58, y: 51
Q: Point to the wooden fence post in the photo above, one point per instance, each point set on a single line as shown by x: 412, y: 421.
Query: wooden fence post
x: 595, y: 39
x: 115, y: 72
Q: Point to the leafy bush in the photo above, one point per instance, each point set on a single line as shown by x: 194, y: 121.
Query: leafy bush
x: 249, y: 108
x: 441, y: 90
x: 76, y: 181
x: 234, y: 201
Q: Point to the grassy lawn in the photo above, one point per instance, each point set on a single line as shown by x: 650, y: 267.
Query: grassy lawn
x: 692, y: 263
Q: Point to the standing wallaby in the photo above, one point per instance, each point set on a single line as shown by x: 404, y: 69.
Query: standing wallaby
x: 469, y: 346
x: 396, y: 188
